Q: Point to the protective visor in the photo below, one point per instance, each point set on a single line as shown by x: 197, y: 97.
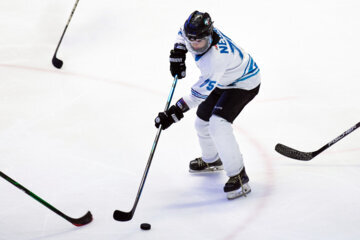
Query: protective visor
x: 198, y: 46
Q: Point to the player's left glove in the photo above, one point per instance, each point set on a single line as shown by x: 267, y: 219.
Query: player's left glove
x: 173, y: 114
x: 165, y: 119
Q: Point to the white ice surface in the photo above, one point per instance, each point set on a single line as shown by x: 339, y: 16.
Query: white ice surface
x: 80, y: 137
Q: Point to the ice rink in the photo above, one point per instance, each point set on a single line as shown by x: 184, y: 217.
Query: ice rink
x: 80, y: 137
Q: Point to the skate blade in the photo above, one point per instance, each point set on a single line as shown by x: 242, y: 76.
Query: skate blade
x: 208, y: 170
x: 239, y: 193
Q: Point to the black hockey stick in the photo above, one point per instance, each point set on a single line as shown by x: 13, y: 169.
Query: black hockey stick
x: 87, y: 218
x: 55, y: 61
x: 126, y: 216
x: 307, y: 156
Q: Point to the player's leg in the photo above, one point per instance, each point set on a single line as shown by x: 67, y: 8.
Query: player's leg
x: 227, y: 108
x: 209, y: 160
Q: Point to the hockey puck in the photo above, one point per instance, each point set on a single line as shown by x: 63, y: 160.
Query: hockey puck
x: 145, y: 226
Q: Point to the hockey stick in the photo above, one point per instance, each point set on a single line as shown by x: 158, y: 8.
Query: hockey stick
x: 126, y: 216
x: 87, y: 218
x: 307, y: 156
x: 55, y: 61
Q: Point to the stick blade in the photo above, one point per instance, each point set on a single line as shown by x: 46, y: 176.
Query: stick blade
x: 57, y: 62
x: 122, y: 216
x: 87, y: 218
x: 293, y: 153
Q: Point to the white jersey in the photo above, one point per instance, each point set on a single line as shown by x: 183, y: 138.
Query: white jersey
x: 224, y: 65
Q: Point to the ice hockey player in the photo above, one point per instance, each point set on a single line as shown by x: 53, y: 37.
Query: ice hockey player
x: 229, y: 80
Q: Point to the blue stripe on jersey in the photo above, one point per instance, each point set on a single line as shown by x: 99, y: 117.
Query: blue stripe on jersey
x: 249, y: 75
x: 250, y: 67
x: 197, y: 94
x: 247, y: 66
x: 230, y: 43
x: 244, y: 77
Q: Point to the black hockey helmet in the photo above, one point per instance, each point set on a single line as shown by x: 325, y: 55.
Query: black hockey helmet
x: 198, y: 25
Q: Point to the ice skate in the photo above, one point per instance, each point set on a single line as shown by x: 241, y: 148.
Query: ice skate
x: 237, y: 186
x: 199, y: 166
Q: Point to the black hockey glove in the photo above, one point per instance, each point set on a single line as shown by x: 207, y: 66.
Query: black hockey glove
x: 177, y: 60
x: 165, y: 119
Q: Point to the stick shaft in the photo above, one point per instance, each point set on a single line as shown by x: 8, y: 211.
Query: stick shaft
x: 125, y: 216
x: 87, y: 218
x: 154, y: 147
x: 31, y: 194
x: 67, y: 24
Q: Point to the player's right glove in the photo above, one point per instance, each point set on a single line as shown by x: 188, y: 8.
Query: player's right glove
x: 177, y: 60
